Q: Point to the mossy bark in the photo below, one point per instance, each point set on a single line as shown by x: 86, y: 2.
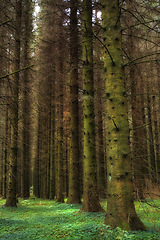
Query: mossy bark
x: 90, y: 189
x: 120, y: 207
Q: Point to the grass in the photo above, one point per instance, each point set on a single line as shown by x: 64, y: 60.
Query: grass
x: 45, y: 219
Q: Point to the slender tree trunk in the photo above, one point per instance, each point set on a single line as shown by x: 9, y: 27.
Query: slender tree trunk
x: 100, y: 148
x: 138, y: 146
x: 154, y: 87
x: 120, y: 205
x: 99, y: 109
x: 157, y: 86
x: 60, y: 68
x: 150, y: 135
x: 90, y: 188
x: 52, y: 143
x: 11, y: 200
x: 74, y: 171
x: 36, y: 168
x: 60, y: 179
x: 5, y: 156
x: 1, y: 167
x: 26, y: 156
x: 2, y: 102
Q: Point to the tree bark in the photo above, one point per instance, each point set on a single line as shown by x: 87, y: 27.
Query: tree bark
x: 11, y: 200
x: 90, y: 188
x: 120, y: 205
x: 60, y: 68
x: 26, y: 154
x: 74, y: 171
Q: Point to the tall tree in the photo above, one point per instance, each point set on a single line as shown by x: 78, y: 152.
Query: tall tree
x: 36, y: 165
x: 90, y: 189
x: 11, y: 200
x: 120, y: 203
x: 99, y: 107
x: 138, y: 143
x: 26, y: 152
x: 60, y: 105
x: 3, y: 102
x: 74, y: 171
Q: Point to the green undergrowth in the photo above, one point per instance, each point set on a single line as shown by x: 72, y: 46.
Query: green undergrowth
x: 46, y: 219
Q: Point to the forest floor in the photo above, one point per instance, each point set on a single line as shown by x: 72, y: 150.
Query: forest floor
x: 46, y: 219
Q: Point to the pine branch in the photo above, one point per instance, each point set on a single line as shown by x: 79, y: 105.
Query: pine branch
x: 148, y: 61
x: 143, y: 38
x: 1, y: 24
x: 144, y: 23
x: 134, y: 60
x: 17, y: 71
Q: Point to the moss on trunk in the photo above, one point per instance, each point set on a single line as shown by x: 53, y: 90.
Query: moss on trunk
x: 120, y: 208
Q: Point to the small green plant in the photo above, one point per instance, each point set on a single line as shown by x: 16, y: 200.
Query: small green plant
x: 45, y: 219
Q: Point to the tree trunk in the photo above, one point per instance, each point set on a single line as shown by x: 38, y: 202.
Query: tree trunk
x: 60, y: 66
x: 26, y: 155
x: 74, y: 171
x: 52, y: 143
x: 99, y: 109
x: 138, y: 133
x: 5, y: 156
x: 11, y: 200
x: 120, y: 206
x: 90, y: 188
x: 36, y: 167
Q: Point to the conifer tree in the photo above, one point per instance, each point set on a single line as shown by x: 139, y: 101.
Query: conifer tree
x: 11, y: 200
x: 74, y: 170
x: 120, y: 203
x: 26, y: 152
x: 60, y: 104
x: 90, y: 189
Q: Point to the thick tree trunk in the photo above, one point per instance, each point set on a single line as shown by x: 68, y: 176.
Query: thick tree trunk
x: 120, y: 207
